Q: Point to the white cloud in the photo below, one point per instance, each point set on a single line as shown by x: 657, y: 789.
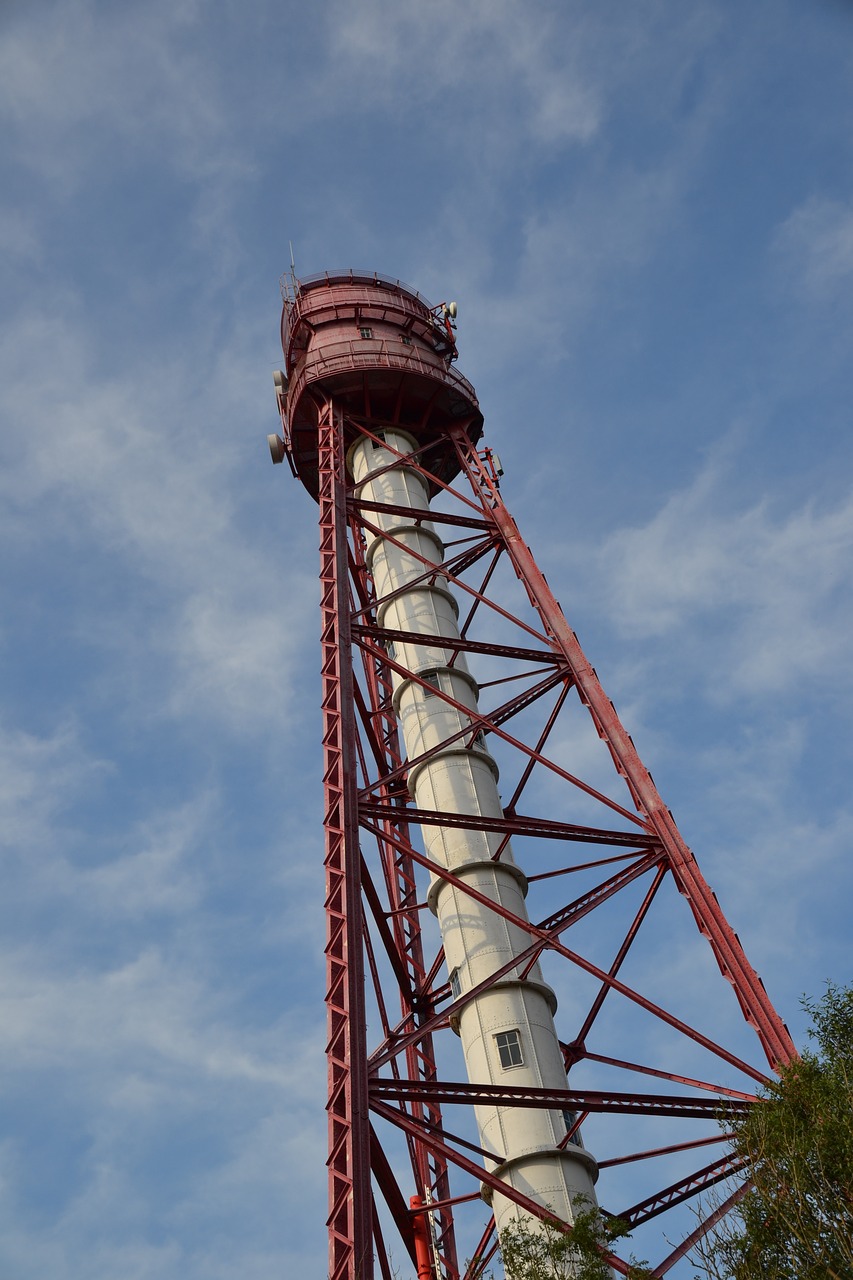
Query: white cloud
x: 143, y: 869
x: 39, y: 775
x: 152, y: 875
x: 153, y: 1018
x: 734, y: 620
x: 439, y: 53
x: 539, y: 156
x: 140, y: 469
x: 253, y: 1156
x: 140, y: 1036
x: 772, y: 585
x: 143, y: 1057
x: 86, y: 76
x: 815, y: 243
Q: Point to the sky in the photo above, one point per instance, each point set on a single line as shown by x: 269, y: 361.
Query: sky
x: 645, y: 213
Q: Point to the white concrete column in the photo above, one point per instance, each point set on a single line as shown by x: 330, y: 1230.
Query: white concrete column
x: 507, y: 1033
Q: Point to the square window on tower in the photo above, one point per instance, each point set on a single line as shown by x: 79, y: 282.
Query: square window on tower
x: 365, y: 331
x: 570, y: 1119
x: 509, y: 1049
x: 430, y: 678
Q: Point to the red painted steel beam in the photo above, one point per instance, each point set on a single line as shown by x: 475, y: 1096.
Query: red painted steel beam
x: 480, y: 594
x: 725, y: 944
x: 486, y: 1246
x: 452, y: 568
x: 381, y: 635
x: 618, y: 960
x: 540, y: 747
x: 560, y: 920
x: 581, y: 907
x: 683, y: 1190
x: 382, y: 1053
x: 511, y: 741
x: 666, y: 1075
x: 490, y: 720
x: 705, y: 1225
x: 506, y: 1189
x: 416, y: 515
x: 403, y: 939
x: 636, y: 1156
x: 388, y: 940
x: 553, y: 1099
x: 516, y: 824
x: 391, y: 1193
x: 432, y: 570
x: 350, y: 1220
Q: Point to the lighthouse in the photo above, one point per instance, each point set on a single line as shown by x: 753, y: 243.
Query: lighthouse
x: 386, y: 435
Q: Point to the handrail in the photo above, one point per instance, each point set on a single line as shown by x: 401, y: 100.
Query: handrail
x: 371, y: 353
x: 376, y: 351
x: 291, y: 287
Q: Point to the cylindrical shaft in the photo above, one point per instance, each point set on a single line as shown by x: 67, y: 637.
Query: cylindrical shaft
x: 507, y: 1032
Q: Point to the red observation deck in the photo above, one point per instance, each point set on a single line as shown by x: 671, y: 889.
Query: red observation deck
x: 383, y: 354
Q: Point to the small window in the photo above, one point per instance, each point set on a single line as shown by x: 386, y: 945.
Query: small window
x: 392, y: 651
x: 570, y: 1117
x: 455, y: 984
x: 406, y: 341
x: 431, y: 680
x: 365, y: 331
x: 509, y: 1049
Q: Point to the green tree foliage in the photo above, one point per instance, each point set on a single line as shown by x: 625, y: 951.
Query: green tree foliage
x: 545, y: 1251
x: 796, y: 1221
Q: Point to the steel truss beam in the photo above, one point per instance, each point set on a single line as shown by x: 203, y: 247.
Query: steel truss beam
x: 350, y: 1219
x: 653, y: 1104
x: 381, y: 959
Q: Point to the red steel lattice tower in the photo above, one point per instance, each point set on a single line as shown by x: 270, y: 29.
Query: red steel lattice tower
x: 483, y: 946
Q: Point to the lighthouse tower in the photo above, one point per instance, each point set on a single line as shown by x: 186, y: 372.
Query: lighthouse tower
x: 448, y: 671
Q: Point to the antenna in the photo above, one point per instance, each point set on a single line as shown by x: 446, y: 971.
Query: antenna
x: 292, y: 264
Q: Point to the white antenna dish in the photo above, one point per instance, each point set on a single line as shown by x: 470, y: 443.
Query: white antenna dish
x: 453, y: 309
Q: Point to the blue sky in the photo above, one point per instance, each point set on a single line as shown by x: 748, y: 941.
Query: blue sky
x: 645, y: 212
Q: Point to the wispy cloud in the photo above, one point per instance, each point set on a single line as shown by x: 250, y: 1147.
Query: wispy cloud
x: 554, y: 166
x: 451, y: 58
x: 129, y: 470
x: 38, y: 774
x: 764, y: 591
x: 141, y: 1056
x: 815, y: 244
x: 91, y: 78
